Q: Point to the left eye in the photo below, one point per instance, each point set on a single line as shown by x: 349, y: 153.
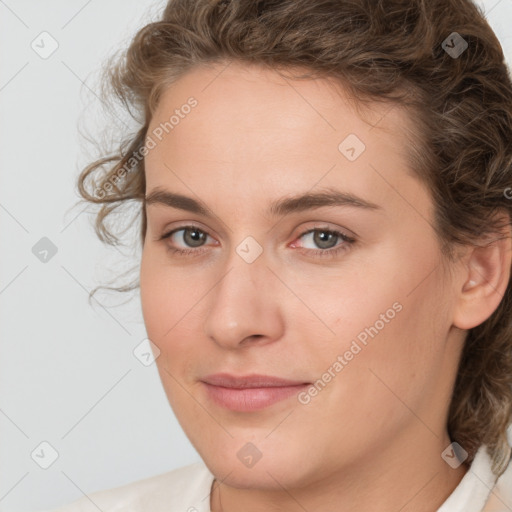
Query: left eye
x: 324, y: 238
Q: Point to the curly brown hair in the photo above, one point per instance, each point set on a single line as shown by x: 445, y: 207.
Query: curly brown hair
x: 438, y: 58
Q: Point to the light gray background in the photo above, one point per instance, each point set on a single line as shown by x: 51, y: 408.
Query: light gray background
x: 68, y: 375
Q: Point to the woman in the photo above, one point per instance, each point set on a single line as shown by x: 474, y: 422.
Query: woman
x: 325, y: 204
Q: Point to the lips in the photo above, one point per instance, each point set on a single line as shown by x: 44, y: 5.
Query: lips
x: 250, y: 392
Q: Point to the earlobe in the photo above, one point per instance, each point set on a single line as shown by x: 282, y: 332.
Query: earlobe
x: 486, y: 276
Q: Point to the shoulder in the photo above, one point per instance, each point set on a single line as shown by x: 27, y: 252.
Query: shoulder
x: 182, y: 489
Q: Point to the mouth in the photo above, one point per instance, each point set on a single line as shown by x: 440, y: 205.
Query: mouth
x: 250, y: 392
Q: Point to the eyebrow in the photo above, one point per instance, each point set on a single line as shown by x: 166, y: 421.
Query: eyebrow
x: 281, y: 207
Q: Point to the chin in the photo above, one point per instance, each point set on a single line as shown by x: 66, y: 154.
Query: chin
x: 259, y: 463
x: 271, y: 474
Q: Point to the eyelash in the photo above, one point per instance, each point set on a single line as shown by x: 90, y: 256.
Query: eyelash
x: 323, y: 253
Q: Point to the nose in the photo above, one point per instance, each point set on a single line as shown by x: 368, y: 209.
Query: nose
x: 244, y: 306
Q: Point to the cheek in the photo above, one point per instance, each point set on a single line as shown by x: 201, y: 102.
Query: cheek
x: 172, y: 312
x: 391, y: 323
x: 380, y: 379
x: 153, y: 299
x: 166, y: 295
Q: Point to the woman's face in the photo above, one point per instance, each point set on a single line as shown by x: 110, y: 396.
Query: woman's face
x: 311, y: 258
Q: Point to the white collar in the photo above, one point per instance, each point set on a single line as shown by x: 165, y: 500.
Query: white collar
x: 474, y: 489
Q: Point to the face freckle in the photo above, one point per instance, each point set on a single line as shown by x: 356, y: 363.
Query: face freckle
x: 353, y: 328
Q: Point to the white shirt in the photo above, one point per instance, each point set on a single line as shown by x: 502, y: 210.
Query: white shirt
x: 187, y: 489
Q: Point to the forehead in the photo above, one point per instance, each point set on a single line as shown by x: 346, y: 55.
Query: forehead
x: 250, y: 123
x: 246, y: 98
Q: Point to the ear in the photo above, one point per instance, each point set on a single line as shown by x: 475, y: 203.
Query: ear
x: 485, y: 278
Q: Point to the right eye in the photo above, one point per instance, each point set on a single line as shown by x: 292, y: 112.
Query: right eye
x: 192, y: 236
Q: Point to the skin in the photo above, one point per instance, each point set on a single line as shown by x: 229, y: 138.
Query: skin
x: 372, y: 438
